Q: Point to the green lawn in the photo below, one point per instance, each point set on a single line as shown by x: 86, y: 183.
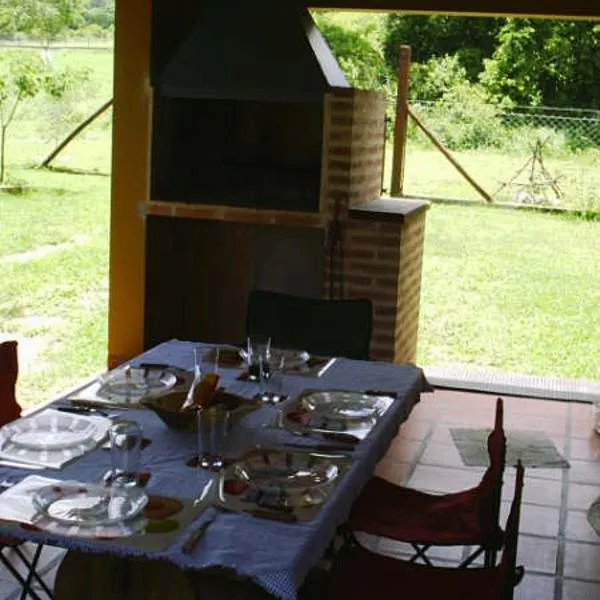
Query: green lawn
x: 511, y: 290
x: 505, y: 289
x: 54, y: 239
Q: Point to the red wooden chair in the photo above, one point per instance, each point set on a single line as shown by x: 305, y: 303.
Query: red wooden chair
x: 359, y: 573
x: 9, y: 411
x: 465, y: 518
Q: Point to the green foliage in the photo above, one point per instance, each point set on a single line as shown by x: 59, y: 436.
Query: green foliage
x: 44, y: 19
x: 358, y: 55
x: 24, y: 75
x: 471, y: 39
x: 429, y: 81
x: 546, y: 62
x: 99, y: 13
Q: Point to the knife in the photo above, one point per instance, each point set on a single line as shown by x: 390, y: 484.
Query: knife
x: 83, y: 410
x: 190, y: 543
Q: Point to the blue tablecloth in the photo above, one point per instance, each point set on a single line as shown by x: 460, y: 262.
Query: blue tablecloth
x: 275, y: 555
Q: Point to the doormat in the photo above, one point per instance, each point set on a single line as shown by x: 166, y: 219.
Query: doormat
x: 534, y: 448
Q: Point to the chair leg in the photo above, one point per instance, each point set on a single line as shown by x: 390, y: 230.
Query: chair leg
x: 420, y: 550
x: 19, y: 577
x: 490, y: 558
x: 32, y: 572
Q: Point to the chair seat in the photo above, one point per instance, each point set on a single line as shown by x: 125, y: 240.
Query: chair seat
x: 360, y: 574
x: 7, y: 541
x: 449, y: 519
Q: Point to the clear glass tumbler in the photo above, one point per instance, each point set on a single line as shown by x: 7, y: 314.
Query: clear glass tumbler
x: 213, y: 427
x: 125, y: 452
x: 259, y: 357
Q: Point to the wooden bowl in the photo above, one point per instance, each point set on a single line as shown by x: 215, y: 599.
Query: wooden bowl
x: 168, y: 408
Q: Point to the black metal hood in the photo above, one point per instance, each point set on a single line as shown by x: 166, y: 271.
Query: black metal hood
x: 253, y: 50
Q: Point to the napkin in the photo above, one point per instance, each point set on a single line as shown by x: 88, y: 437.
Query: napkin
x: 16, y: 503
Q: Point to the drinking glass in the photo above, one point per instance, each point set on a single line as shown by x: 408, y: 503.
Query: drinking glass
x: 259, y: 356
x: 272, y: 386
x: 125, y: 452
x: 210, y: 360
x: 213, y: 427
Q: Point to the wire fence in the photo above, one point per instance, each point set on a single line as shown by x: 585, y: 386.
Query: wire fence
x: 542, y: 155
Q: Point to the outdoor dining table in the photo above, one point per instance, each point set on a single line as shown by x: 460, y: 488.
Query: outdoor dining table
x: 273, y: 555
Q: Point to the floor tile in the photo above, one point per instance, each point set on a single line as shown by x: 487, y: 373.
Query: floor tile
x: 415, y: 429
x: 535, y: 587
x: 538, y: 520
x: 577, y: 528
x: 583, y: 428
x: 441, y: 454
x: 393, y: 470
x: 579, y: 590
x: 586, y: 449
x: 530, y: 422
x: 537, y: 407
x: 581, y: 496
x: 537, y: 554
x: 535, y: 491
x: 585, y: 472
x: 582, y: 561
x: 405, y: 450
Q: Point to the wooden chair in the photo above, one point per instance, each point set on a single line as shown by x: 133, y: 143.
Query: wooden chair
x: 465, y: 518
x: 9, y: 411
x: 322, y: 327
x: 360, y: 574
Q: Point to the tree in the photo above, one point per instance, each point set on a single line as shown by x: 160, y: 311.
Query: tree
x: 45, y: 19
x: 547, y: 62
x: 24, y: 76
x: 356, y: 52
x: 471, y: 39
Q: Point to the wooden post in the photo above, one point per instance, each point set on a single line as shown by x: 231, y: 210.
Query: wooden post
x: 130, y: 179
x: 401, y: 123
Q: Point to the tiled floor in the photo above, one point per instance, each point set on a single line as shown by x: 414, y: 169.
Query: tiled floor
x: 557, y: 546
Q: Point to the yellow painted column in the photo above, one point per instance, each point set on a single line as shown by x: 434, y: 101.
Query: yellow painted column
x: 130, y: 178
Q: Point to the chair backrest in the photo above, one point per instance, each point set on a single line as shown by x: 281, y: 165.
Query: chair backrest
x: 508, y: 563
x: 319, y: 326
x: 9, y: 371
x: 490, y: 488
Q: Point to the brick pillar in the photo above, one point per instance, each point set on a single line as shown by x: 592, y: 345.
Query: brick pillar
x: 382, y: 257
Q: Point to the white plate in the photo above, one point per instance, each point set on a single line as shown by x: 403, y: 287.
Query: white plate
x: 88, y: 505
x: 48, y: 431
x: 51, y: 440
x: 291, y: 358
x: 137, y: 382
x: 349, y: 407
x: 292, y: 472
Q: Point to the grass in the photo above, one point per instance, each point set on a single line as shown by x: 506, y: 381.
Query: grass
x: 511, y: 290
x: 54, y: 240
x: 503, y: 289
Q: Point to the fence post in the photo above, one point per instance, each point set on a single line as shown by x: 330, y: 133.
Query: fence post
x: 397, y: 184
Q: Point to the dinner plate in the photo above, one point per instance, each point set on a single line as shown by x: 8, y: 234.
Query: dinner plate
x: 348, y: 407
x: 88, y: 505
x: 137, y: 381
x: 286, y: 358
x: 290, y: 472
x: 49, y: 431
x: 41, y: 439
